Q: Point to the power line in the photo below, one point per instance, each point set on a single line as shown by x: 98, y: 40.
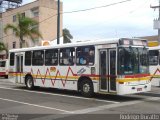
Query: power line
x: 88, y: 9
x: 108, y: 5
x: 75, y: 11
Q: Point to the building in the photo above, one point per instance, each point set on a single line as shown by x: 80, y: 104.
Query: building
x: 44, y: 11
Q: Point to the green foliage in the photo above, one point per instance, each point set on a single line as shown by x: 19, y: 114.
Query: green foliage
x: 25, y: 27
x: 3, y: 47
x: 67, y: 36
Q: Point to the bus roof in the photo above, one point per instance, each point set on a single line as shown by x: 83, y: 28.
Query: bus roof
x: 92, y: 42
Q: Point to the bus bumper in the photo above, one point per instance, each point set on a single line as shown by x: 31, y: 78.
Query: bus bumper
x: 128, y: 89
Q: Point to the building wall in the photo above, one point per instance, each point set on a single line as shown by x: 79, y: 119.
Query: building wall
x: 46, y: 9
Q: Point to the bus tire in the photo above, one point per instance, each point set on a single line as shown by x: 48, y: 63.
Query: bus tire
x: 29, y: 82
x: 86, y: 88
x: 6, y: 76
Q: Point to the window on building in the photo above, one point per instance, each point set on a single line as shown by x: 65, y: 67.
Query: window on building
x: 14, y: 18
x: 51, y: 57
x: 38, y: 57
x: 23, y: 14
x: 35, y: 12
x: 85, y: 55
x: 35, y: 27
x: 14, y: 44
x: 67, y: 56
x: 12, y: 59
x: 28, y: 56
x: 153, y: 57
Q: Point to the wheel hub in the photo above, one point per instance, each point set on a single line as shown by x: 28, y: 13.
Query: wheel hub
x: 29, y: 83
x: 86, y: 88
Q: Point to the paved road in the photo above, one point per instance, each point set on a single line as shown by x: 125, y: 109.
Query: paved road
x: 42, y: 103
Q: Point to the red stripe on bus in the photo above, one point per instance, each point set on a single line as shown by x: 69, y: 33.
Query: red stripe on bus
x: 136, y: 75
x: 2, y: 73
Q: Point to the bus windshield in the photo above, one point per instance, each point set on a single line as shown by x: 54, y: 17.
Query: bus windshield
x: 133, y: 61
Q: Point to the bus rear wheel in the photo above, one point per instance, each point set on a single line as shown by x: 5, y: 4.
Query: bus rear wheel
x: 86, y: 88
x: 29, y: 82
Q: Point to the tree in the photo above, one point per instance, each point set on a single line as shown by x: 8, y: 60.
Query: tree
x: 25, y: 27
x: 3, y: 48
x: 67, y: 36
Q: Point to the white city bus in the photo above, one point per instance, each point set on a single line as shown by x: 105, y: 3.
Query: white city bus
x: 116, y: 66
x: 154, y: 65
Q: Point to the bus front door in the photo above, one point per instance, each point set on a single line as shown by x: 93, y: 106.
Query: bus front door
x: 19, y: 68
x: 107, y: 70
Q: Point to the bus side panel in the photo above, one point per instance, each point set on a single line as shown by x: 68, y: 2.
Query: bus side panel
x: 38, y: 74
x: 155, y: 73
x: 86, y: 71
x: 7, y: 67
x: 12, y: 74
x: 51, y: 77
x: 67, y: 77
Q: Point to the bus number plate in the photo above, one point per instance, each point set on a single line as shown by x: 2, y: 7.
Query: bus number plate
x: 139, y: 89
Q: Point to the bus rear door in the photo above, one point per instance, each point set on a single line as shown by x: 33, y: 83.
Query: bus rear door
x: 19, y: 68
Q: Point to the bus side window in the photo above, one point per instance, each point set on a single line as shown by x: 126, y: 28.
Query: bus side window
x: 153, y: 57
x: 91, y: 56
x: 2, y: 63
x: 85, y: 55
x: 51, y: 57
x: 67, y: 56
x: 12, y: 55
x: 80, y: 56
x: 28, y: 56
x: 38, y: 57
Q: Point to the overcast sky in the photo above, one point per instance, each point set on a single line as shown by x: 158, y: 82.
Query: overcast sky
x: 129, y: 19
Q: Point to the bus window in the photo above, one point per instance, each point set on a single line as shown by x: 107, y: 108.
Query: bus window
x: 153, y: 57
x: 133, y: 61
x: 28, y: 56
x: 38, y: 57
x: 144, y: 63
x: 12, y: 59
x: 126, y: 61
x: 2, y: 63
x: 67, y: 56
x: 51, y: 57
x: 85, y: 55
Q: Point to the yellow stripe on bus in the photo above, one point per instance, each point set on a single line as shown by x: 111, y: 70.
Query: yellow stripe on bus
x: 76, y: 77
x: 155, y: 76
x: 132, y: 79
x: 51, y: 77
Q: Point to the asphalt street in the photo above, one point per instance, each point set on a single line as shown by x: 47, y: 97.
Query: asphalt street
x: 16, y: 102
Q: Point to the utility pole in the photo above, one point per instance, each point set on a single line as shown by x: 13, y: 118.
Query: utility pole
x: 58, y: 21
x: 158, y: 22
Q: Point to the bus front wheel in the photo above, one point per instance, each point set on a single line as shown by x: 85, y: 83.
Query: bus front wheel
x: 29, y: 82
x: 86, y: 88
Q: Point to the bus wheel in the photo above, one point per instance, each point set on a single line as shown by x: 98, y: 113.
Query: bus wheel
x: 86, y: 88
x: 29, y: 83
x: 6, y: 76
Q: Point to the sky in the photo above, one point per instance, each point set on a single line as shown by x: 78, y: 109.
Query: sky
x: 130, y: 19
